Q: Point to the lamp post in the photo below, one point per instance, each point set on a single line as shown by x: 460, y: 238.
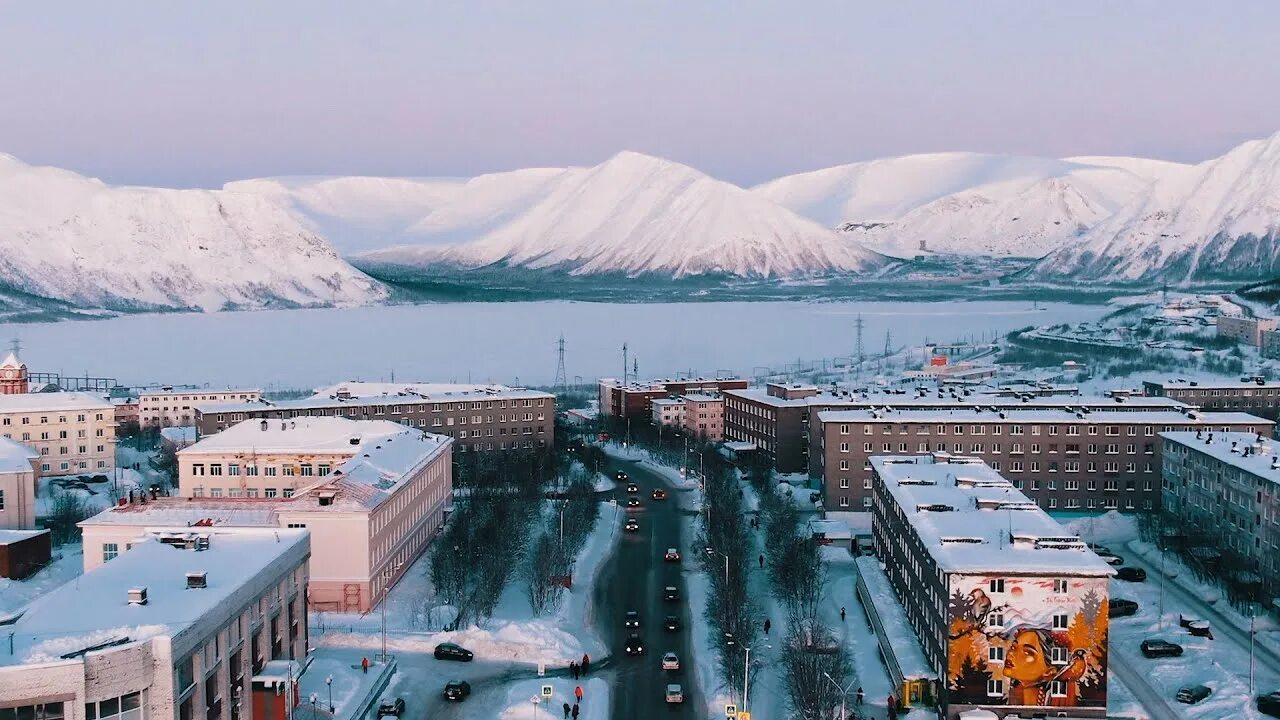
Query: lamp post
x: 844, y: 692
x: 746, y: 678
x: 313, y: 706
x: 329, y: 682
x: 387, y: 574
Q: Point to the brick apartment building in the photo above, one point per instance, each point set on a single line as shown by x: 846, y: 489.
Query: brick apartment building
x: 1247, y: 330
x: 169, y: 408
x: 777, y: 418
x: 704, y: 416
x: 1010, y: 609
x: 1254, y: 395
x: 633, y: 399
x: 1097, y: 460
x: 481, y: 418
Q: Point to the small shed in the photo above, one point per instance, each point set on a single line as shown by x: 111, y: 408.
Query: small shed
x: 23, y: 552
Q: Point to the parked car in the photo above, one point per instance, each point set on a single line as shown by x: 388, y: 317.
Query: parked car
x: 675, y: 694
x: 393, y: 707
x: 670, y: 593
x: 671, y: 624
x: 1195, y: 626
x: 633, y: 488
x: 632, y: 619
x: 659, y: 494
x: 1192, y: 694
x: 634, y: 645
x: 1269, y: 704
x: 457, y: 690
x: 633, y: 503
x: 670, y: 661
x: 1131, y: 574
x: 673, y: 555
x: 1120, y: 607
x: 1153, y: 648
x: 1111, y: 559
x: 632, y: 525
x: 453, y: 651
x: 1100, y: 549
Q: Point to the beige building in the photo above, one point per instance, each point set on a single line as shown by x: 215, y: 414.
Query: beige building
x: 74, y: 432
x: 175, y: 628
x: 372, y: 493
x: 1247, y: 330
x: 704, y: 416
x: 668, y: 412
x: 168, y: 407
x: 18, y: 473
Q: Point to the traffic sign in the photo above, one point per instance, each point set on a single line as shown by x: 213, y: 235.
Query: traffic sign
x: 731, y: 711
x: 546, y: 691
x: 744, y: 715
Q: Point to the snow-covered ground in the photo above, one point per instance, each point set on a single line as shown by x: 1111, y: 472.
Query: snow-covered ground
x: 97, y: 496
x: 519, y: 705
x: 67, y: 564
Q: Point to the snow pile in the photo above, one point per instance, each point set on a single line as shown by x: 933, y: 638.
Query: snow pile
x: 1109, y: 527
x: 594, y: 705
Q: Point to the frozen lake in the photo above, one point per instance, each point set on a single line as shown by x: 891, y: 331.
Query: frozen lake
x: 499, y: 342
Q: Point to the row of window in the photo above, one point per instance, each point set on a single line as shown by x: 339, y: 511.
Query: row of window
x: 1014, y: 429
x: 1014, y: 448
x: 44, y: 419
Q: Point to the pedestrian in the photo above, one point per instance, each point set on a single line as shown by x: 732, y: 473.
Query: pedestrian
x: 761, y: 560
x: 364, y: 665
x: 841, y: 613
x: 767, y: 625
x: 566, y: 711
x: 858, y: 698
x: 893, y: 705
x: 577, y: 693
x: 586, y: 664
x: 575, y: 711
x: 573, y: 669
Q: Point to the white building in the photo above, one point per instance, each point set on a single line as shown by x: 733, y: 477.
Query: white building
x: 19, y: 469
x: 175, y: 628
x: 167, y: 406
x: 668, y: 412
x: 74, y: 432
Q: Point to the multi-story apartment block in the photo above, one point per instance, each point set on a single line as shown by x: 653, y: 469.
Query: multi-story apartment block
x: 19, y: 470
x: 168, y: 407
x: 1099, y: 460
x: 704, y: 416
x: 481, y: 418
x: 777, y: 419
x: 1270, y: 347
x: 372, y: 493
x: 633, y: 399
x: 1247, y: 330
x: 1224, y: 487
x: 175, y: 628
x: 668, y: 412
x: 73, y: 432
x: 1254, y: 395
x: 1010, y: 608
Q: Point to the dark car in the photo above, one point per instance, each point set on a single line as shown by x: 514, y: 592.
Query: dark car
x: 1160, y: 648
x: 453, y: 651
x: 634, y: 645
x: 457, y: 690
x: 1269, y: 704
x: 670, y: 594
x: 1192, y: 694
x: 393, y: 707
x: 633, y: 503
x: 1120, y: 607
x: 632, y: 619
x: 659, y: 494
x: 1131, y: 574
x: 632, y: 525
x: 620, y: 476
x: 671, y: 624
x: 633, y: 488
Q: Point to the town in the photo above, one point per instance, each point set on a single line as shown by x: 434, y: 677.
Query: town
x: 1047, y: 524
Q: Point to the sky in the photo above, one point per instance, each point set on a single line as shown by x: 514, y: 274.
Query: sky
x: 193, y: 94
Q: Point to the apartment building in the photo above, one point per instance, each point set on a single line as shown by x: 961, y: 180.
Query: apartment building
x: 19, y: 470
x: 1251, y: 394
x: 1009, y: 608
x: 480, y: 418
x: 168, y: 407
x: 1224, y: 488
x: 632, y: 399
x: 177, y: 627
x: 704, y: 416
x: 1247, y: 330
x: 372, y: 493
x: 1097, y: 460
x: 668, y: 412
x: 777, y: 418
x: 74, y: 432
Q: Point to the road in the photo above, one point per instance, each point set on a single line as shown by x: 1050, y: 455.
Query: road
x: 1156, y: 706
x: 634, y: 579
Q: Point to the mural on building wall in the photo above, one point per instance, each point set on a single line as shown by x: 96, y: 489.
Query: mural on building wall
x: 1028, y: 641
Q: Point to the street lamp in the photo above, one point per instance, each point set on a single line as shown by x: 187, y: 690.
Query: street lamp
x: 844, y: 692
x: 329, y: 681
x: 313, y: 706
x: 387, y: 574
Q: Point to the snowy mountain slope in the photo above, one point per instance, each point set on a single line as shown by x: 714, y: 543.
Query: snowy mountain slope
x: 1219, y: 220
x: 73, y: 238
x: 638, y: 214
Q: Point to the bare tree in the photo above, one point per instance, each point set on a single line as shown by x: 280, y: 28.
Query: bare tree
x: 66, y: 510
x: 815, y: 661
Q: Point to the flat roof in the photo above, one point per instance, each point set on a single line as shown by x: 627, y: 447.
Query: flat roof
x: 1210, y: 382
x: 361, y: 388
x: 93, y: 610
x: 972, y: 520
x: 1230, y: 448
x: 304, y: 434
x: 1016, y: 416
x: 53, y: 401
x: 900, y: 639
x: 16, y: 457
x: 399, y: 397
x: 699, y: 397
x: 945, y: 398
x: 8, y: 537
x: 192, y: 512
x: 202, y: 391
x: 179, y: 433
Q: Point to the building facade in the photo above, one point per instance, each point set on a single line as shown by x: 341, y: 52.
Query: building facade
x: 1062, y: 460
x: 13, y: 376
x: 19, y: 472
x: 175, y: 628
x: 73, y: 432
x: 668, y: 412
x: 168, y: 407
x: 1010, y: 608
x: 704, y: 417
x: 1247, y: 330
x: 1254, y: 395
x: 633, y: 399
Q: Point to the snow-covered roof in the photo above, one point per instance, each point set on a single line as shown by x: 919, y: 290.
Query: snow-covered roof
x: 201, y: 391
x: 16, y: 457
x: 668, y: 401
x: 1250, y: 452
x: 831, y: 529
x: 899, y: 638
x: 11, y: 361
x: 8, y: 537
x: 53, y: 401
x: 1015, y: 416
x: 700, y: 397
x: 336, y: 435
x: 94, y: 609
x: 179, y: 434
x: 1207, y: 381
x: 361, y: 389
x: 970, y: 519
x: 403, y: 394
x: 947, y: 399
x: 193, y: 512
x: 661, y: 384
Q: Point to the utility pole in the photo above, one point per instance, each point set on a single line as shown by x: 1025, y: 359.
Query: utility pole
x: 624, y: 364
x: 561, y: 377
x: 857, y: 350
x: 746, y: 678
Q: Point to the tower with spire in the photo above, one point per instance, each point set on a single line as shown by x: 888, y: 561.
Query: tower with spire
x: 13, y: 373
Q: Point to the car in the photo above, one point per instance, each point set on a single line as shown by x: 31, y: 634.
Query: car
x: 620, y: 476
x: 634, y: 645
x: 1269, y: 704
x: 671, y: 624
x: 633, y: 488
x: 673, y: 555
x: 675, y: 693
x: 633, y: 503
x: 1131, y: 574
x: 631, y: 619
x: 670, y: 661
x: 670, y: 593
x: 1192, y: 694
x: 393, y: 707
x: 457, y: 690
x: 453, y: 651
x: 1120, y: 607
x: 1100, y: 549
x: 1111, y: 559
x: 632, y: 525
x: 1195, y: 626
x: 659, y: 494
x: 1154, y: 648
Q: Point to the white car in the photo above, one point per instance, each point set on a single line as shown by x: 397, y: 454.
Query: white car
x: 673, y: 555
x: 670, y: 661
x: 675, y: 694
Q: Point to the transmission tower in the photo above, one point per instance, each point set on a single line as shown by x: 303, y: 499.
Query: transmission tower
x: 888, y: 340
x: 624, y: 363
x: 561, y: 377
x: 857, y: 351
x: 635, y: 368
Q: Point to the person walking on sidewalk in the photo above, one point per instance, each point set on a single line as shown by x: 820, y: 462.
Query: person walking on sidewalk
x: 762, y: 561
x: 575, y: 711
x: 364, y: 665
x: 577, y: 693
x: 566, y: 711
x: 573, y: 669
x: 857, y: 699
x: 841, y: 613
x: 767, y: 625
x: 586, y: 664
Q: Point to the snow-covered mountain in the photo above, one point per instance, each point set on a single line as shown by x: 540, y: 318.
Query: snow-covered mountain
x: 1219, y: 220
x: 631, y: 214
x: 966, y: 203
x: 73, y: 238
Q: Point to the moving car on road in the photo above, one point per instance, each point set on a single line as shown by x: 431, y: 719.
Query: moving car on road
x: 1131, y: 574
x: 393, y: 707
x: 457, y: 690
x: 670, y: 661
x: 621, y: 476
x: 634, y: 645
x: 670, y: 593
x: 1120, y: 607
x: 1154, y: 648
x: 671, y: 624
x: 673, y: 555
x: 659, y: 494
x: 632, y: 525
x: 633, y: 488
x: 1192, y: 694
x: 1269, y: 704
x: 633, y: 503
x: 453, y: 651
x: 632, y: 619
x: 675, y: 693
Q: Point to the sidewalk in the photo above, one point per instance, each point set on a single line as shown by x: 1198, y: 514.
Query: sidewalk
x: 354, y: 691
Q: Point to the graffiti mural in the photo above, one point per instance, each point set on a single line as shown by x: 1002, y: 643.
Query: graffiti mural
x: 1028, y: 641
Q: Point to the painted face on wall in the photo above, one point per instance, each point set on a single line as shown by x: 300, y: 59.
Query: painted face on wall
x: 1027, y: 658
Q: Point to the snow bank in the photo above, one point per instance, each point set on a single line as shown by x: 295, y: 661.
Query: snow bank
x: 1109, y: 527
x: 594, y: 705
x: 67, y: 564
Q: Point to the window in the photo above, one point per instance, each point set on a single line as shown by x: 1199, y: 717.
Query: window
x: 995, y: 619
x: 995, y: 688
x: 1058, y: 688
x: 1, y: 499
x: 110, y: 551
x: 125, y: 707
x: 996, y: 585
x: 995, y: 654
x: 1060, y: 621
x: 39, y: 711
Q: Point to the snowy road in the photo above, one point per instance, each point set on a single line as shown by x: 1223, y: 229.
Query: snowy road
x: 1135, y: 680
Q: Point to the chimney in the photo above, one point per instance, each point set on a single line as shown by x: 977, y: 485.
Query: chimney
x: 197, y: 580
x: 264, y: 426
x: 138, y: 596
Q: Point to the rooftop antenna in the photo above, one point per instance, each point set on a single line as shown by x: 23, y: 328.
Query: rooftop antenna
x: 635, y: 368
x: 561, y: 377
x: 857, y: 352
x: 624, y: 363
